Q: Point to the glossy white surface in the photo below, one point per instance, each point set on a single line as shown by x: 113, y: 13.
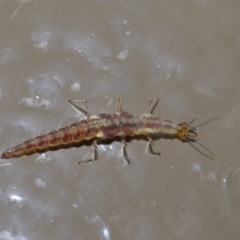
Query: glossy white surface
x: 184, y: 52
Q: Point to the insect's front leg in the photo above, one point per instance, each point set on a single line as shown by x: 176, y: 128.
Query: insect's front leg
x: 152, y: 146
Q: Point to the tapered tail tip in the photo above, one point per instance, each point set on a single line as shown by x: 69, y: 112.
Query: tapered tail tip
x: 5, y: 155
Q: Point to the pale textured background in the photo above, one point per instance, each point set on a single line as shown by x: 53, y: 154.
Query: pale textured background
x: 184, y: 52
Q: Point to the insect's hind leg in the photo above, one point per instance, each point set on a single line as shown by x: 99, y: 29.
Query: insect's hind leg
x: 152, y: 146
x: 119, y: 103
x: 92, y: 153
x: 87, y: 112
x: 152, y: 105
x: 124, y: 150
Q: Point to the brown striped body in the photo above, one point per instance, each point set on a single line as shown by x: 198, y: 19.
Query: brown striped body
x: 101, y: 127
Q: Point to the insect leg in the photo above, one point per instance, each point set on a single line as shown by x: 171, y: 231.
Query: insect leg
x: 87, y: 112
x: 119, y: 103
x: 152, y: 105
x: 152, y: 146
x: 124, y: 150
x: 92, y: 153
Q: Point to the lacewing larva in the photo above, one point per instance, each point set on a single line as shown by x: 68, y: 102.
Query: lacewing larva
x: 108, y: 126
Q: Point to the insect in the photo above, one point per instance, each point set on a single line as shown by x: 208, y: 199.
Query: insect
x: 109, y: 126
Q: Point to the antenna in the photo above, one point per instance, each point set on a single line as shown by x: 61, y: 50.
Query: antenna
x: 215, y: 110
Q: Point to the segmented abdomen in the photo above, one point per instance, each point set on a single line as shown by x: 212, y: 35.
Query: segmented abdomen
x: 104, y: 126
x: 65, y: 136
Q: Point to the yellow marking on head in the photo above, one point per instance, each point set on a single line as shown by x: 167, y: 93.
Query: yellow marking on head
x: 182, y: 131
x: 186, y: 132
